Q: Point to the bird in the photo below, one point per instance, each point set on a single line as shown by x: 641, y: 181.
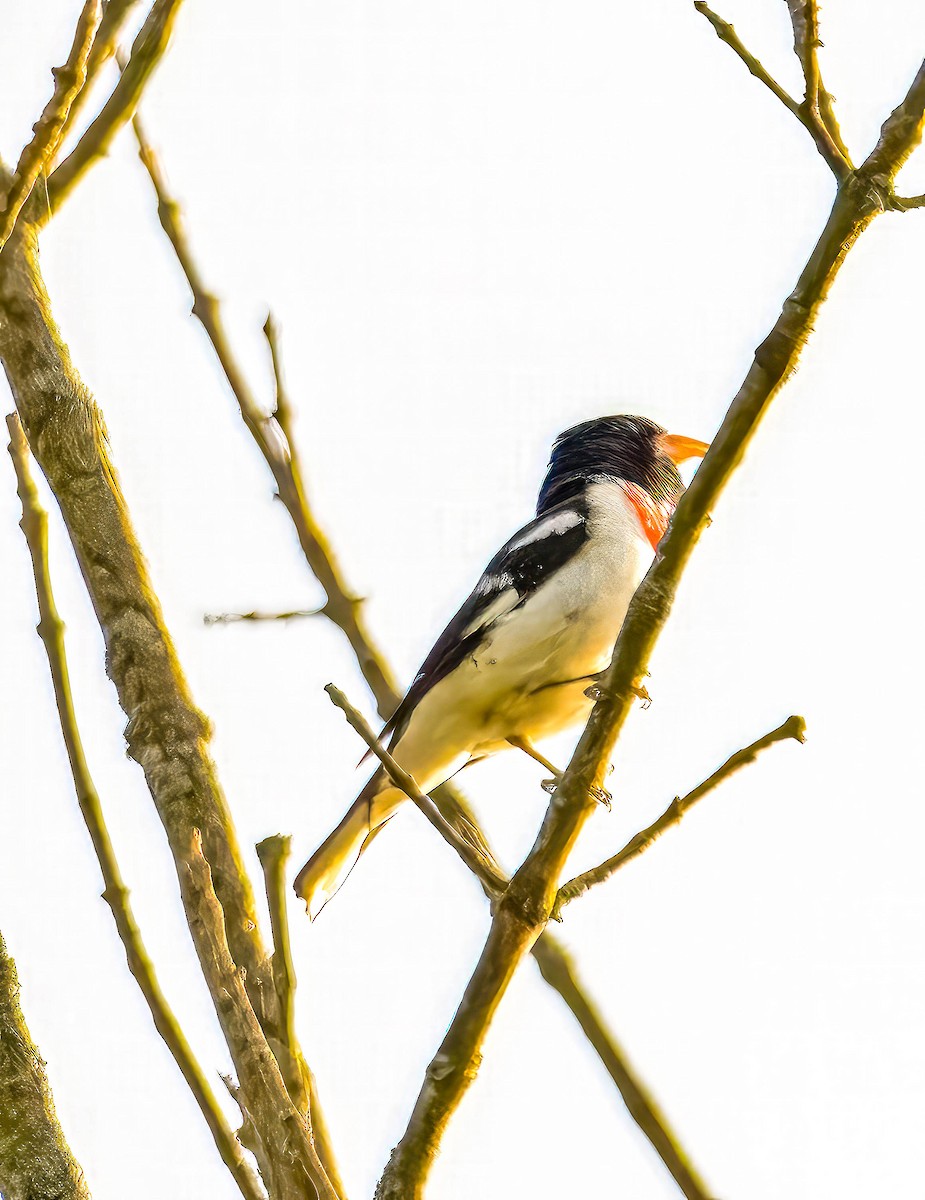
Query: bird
x: 519, y: 660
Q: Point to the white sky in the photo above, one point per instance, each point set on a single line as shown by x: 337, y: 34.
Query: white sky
x: 479, y: 223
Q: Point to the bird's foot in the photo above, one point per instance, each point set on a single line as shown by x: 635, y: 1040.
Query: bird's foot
x: 602, y: 796
x: 639, y: 690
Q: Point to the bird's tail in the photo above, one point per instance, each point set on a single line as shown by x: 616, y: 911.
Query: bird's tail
x: 335, y: 858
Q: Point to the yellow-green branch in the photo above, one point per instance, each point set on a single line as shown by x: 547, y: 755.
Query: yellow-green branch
x: 34, y: 525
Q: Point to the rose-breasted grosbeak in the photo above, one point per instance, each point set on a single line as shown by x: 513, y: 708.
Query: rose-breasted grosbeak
x: 515, y: 663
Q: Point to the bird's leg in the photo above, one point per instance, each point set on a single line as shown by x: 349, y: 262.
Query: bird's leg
x: 549, y: 785
x: 520, y: 743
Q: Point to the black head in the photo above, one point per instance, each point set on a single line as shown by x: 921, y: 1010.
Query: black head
x: 623, y: 447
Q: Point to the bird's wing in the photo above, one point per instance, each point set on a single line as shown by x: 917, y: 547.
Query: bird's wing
x: 532, y: 556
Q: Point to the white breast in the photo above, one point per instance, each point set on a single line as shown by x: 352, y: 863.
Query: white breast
x: 529, y: 676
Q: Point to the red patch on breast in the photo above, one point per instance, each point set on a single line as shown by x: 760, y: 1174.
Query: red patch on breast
x: 653, y: 517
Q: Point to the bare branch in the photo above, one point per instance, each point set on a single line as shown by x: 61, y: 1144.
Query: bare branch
x: 34, y: 525
x: 342, y: 608
x: 147, y: 51
x: 817, y: 111
x: 726, y: 33
x: 900, y: 133
x: 492, y: 879
x: 288, y: 1161
x: 49, y: 129
x: 36, y: 1162
x: 115, y: 15
x: 273, y: 853
x: 794, y: 727
x: 271, y: 434
x: 832, y: 150
x: 166, y: 734
x: 282, y: 408
x: 525, y: 908
x: 558, y: 970
x: 906, y: 203
x: 230, y: 618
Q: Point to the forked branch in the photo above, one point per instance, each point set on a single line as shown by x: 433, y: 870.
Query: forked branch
x: 49, y: 129
x: 794, y: 727
x: 166, y: 734
x: 486, y: 871
x: 283, y: 1144
x: 34, y: 525
x: 824, y: 131
x: 273, y: 853
x: 522, y: 914
x: 342, y: 609
x: 147, y: 51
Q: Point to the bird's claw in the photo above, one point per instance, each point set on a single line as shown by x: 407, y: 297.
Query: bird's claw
x: 595, y: 692
x: 549, y: 786
x: 602, y: 796
x: 639, y: 690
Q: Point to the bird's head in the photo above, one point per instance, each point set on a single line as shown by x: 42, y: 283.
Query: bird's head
x: 633, y: 449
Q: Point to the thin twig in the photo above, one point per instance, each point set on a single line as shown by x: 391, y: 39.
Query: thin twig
x: 817, y: 110
x: 524, y: 910
x: 794, y: 727
x: 273, y: 853
x: 49, y: 128
x: 115, y: 15
x: 34, y: 525
x: 286, y: 1155
x: 36, y: 1162
x: 726, y: 33
x: 486, y: 871
x: 231, y: 618
x: 282, y: 406
x: 147, y: 51
x: 906, y: 203
x: 830, y: 150
x: 269, y: 433
x: 558, y: 970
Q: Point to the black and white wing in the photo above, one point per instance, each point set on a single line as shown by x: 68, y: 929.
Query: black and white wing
x: 532, y: 556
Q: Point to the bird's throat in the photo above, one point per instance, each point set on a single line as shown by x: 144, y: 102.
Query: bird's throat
x: 653, y: 516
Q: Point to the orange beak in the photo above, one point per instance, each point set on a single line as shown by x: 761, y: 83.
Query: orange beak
x: 679, y: 448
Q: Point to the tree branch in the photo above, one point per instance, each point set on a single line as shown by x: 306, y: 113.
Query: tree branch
x: 270, y: 432
x: 558, y: 970
x: 273, y: 853
x: 166, y: 734
x: 489, y: 875
x: 829, y: 144
x: 231, y: 618
x: 34, y: 525
x: 147, y: 51
x: 726, y: 33
x: 522, y: 914
x: 35, y: 1160
x: 49, y: 129
x: 794, y: 727
x: 115, y: 15
x: 906, y: 203
x: 283, y: 1145
x: 341, y: 607
x: 555, y: 968
x: 817, y: 111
